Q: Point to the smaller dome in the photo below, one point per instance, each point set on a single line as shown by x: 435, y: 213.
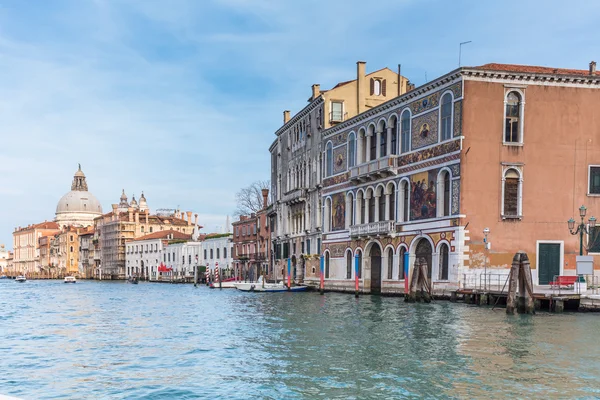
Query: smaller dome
x: 123, y: 195
x: 133, y: 203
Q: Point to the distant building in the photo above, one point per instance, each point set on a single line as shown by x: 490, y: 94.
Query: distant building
x: 4, y: 254
x: 86, y: 253
x: 217, y: 251
x: 79, y: 207
x: 26, y: 246
x: 113, y: 230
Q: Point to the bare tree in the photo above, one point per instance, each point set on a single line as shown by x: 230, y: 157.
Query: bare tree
x: 249, y: 199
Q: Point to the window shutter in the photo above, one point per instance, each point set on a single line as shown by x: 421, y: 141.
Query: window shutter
x: 372, y: 82
x: 383, y: 87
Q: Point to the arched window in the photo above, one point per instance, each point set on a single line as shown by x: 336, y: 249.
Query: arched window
x: 401, y: 264
x: 363, y: 209
x: 373, y: 149
x: 350, y: 209
x: 444, y: 262
x: 351, y: 150
x: 359, y: 256
x: 381, y: 199
x: 376, y: 87
x: 390, y: 263
x: 404, y: 201
x: 150, y: 229
x: 511, y: 204
x: 372, y: 201
x: 382, y: 140
x: 327, y: 215
x: 446, y: 116
x: 348, y: 265
x: 443, y: 199
x: 512, y: 117
x: 329, y: 158
x: 394, y: 138
x: 405, y: 132
x: 327, y: 265
x: 392, y: 202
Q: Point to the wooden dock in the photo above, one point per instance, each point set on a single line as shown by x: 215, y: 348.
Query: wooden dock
x: 542, y: 301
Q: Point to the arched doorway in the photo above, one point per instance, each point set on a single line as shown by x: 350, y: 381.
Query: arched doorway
x: 424, y: 250
x: 375, y: 255
x: 142, y: 267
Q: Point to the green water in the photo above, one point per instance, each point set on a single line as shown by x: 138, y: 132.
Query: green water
x: 160, y: 341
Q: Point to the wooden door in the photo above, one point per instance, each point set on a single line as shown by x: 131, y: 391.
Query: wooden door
x: 549, y: 262
x: 375, y: 269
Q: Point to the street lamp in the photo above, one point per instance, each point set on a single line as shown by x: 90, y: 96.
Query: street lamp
x: 581, y: 228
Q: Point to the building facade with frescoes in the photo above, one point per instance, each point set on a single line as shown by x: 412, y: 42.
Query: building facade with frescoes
x: 421, y: 177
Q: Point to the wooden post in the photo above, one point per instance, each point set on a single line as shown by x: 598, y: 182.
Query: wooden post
x: 512, y: 284
x: 411, y: 296
x: 425, y: 283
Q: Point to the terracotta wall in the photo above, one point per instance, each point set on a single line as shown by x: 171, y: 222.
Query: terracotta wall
x: 561, y: 138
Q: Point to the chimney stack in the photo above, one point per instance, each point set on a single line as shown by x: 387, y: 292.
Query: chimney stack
x: 130, y: 214
x: 593, y: 68
x: 189, y: 215
x: 195, y: 219
x: 316, y: 91
x: 360, y: 86
x: 286, y: 116
x: 265, y: 194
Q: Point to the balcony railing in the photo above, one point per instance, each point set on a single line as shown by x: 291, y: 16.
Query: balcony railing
x: 337, y: 116
x: 295, y: 196
x: 375, y: 168
x: 373, y: 228
x: 250, y: 256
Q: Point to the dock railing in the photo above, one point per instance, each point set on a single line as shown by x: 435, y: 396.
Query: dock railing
x: 487, y: 282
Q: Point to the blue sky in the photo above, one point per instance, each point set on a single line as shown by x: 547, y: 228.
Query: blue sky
x: 180, y: 98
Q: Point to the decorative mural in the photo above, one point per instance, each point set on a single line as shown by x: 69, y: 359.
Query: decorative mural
x: 456, y: 90
x: 441, y: 149
x: 458, y: 118
x: 423, y: 196
x: 339, y: 159
x: 334, y: 180
x: 455, y: 168
x: 425, y: 103
x: 424, y: 130
x: 339, y: 138
x: 338, y: 212
x: 337, y: 249
x: 455, y: 196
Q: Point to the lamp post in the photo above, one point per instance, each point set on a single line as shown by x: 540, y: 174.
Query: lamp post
x: 486, y: 231
x: 581, y: 228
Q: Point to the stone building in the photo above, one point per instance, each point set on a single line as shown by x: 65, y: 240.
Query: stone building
x: 114, y: 229
x: 297, y: 163
x: 26, y: 251
x: 79, y: 207
x: 4, y: 254
x: 421, y: 176
x: 86, y: 253
x: 251, y: 243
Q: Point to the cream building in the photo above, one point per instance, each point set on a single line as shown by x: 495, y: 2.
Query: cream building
x: 26, y: 257
x: 4, y: 254
x: 79, y: 207
x: 297, y: 165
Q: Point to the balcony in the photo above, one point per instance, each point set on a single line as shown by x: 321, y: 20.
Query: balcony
x: 337, y: 117
x: 294, y: 196
x: 250, y: 256
x: 373, y: 229
x: 374, y: 169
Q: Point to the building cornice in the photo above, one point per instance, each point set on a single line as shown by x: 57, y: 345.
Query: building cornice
x: 301, y: 114
x: 524, y: 78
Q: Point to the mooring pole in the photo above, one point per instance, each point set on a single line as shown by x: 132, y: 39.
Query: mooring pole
x: 322, y: 283
x: 356, y: 269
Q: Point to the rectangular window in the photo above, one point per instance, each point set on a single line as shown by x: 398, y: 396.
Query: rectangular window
x: 218, y: 253
x: 224, y: 252
x: 594, y: 184
x: 307, y: 246
x: 511, y: 197
x: 594, y: 240
x: 254, y: 229
x: 337, y: 111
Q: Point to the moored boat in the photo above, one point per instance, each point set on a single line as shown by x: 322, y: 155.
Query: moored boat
x: 70, y: 279
x: 21, y: 278
x: 133, y: 279
x: 262, y: 286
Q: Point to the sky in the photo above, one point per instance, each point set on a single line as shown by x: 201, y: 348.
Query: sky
x: 181, y: 98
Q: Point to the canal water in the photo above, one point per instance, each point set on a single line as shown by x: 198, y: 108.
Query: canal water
x: 160, y: 341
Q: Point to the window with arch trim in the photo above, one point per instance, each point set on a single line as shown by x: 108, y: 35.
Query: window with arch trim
x: 405, y: 132
x: 511, y: 193
x: 446, y: 117
x: 327, y: 265
x: 444, y: 259
x: 390, y: 262
x: 513, y: 119
x: 329, y: 158
x: 349, y: 265
x: 401, y: 265
x: 351, y: 150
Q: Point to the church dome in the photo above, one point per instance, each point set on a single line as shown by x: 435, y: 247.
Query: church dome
x: 78, y: 207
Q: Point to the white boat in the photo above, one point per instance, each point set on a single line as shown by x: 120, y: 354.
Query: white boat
x: 70, y: 279
x: 20, y: 278
x: 261, y: 286
x: 223, y: 285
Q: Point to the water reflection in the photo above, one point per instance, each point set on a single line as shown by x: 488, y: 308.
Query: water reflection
x: 111, y: 340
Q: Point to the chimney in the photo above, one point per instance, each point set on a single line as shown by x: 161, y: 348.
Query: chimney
x: 189, y: 214
x: 286, y: 116
x: 593, y: 68
x: 130, y: 212
x: 316, y: 91
x: 360, y: 86
x: 265, y: 194
x: 195, y: 219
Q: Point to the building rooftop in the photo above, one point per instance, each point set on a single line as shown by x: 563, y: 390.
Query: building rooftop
x: 532, y: 69
x: 168, y: 234
x: 41, y: 225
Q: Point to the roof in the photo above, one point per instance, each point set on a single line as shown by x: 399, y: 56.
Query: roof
x: 532, y: 69
x: 353, y: 80
x: 41, y: 225
x: 164, y: 235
